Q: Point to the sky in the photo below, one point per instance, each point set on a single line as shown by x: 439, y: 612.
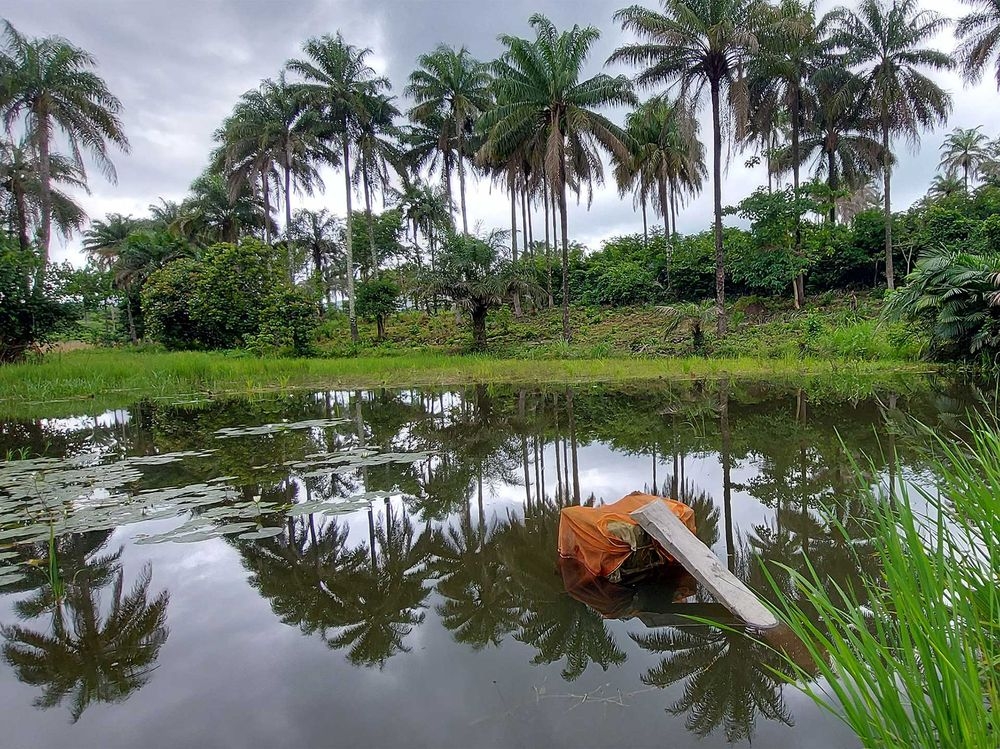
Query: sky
x: 179, y: 66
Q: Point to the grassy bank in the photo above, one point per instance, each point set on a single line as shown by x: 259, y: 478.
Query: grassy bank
x: 78, y: 381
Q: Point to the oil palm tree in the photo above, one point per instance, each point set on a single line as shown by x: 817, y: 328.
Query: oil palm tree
x: 666, y: 155
x: 211, y: 213
x: 884, y: 43
x: 793, y: 46
x: 979, y: 35
x: 451, y: 89
x: 338, y: 82
x: 50, y: 83
x: 106, y: 237
x: 20, y: 178
x: 377, y: 150
x: 423, y: 149
x: 320, y: 234
x: 694, y: 45
x: 837, y: 136
x: 965, y: 149
x: 945, y: 186
x: 542, y: 100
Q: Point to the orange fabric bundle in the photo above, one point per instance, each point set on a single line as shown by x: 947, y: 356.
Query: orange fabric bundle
x: 584, y: 534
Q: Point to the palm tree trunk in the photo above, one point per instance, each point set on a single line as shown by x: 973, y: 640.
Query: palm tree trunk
x: 720, y: 259
x: 645, y: 223
x: 21, y: 217
x: 265, y: 192
x: 886, y: 178
x: 799, y: 283
x: 371, y: 225
x: 524, y: 222
x: 288, y: 222
x: 572, y: 439
x: 479, y: 328
x: 349, y: 244
x: 564, y: 226
x: 547, y: 201
x: 513, y: 221
x: 446, y: 166
x: 45, y: 176
x: 665, y: 210
x: 461, y: 176
x: 531, y: 234
x: 833, y: 183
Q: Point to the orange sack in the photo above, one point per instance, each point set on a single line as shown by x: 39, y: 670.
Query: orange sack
x: 603, y: 538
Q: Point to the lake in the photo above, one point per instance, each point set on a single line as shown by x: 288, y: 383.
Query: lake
x: 379, y: 568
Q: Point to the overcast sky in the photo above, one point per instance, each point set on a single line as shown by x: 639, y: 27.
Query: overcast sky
x: 178, y: 66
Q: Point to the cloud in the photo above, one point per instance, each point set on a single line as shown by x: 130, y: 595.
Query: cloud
x: 178, y: 68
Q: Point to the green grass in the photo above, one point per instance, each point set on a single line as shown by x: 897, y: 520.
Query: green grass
x: 911, y: 659
x: 66, y: 383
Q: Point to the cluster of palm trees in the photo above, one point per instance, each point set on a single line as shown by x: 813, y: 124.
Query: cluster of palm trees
x: 967, y: 156
x: 832, y: 92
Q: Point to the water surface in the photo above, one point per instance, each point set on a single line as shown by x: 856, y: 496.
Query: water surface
x: 380, y: 569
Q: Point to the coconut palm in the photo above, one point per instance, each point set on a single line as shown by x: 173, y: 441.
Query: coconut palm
x: 884, y: 44
x: 51, y: 84
x: 965, y: 149
x: 979, y: 35
x: 694, y: 45
x: 20, y: 178
x: 338, y: 82
x: 451, y: 89
x: 665, y: 152
x: 542, y: 101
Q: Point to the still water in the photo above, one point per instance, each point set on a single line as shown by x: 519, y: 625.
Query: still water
x: 379, y: 568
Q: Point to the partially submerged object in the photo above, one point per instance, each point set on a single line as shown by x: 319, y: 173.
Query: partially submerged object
x: 610, y: 543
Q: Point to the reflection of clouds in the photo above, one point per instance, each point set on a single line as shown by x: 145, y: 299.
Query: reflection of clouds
x: 66, y: 425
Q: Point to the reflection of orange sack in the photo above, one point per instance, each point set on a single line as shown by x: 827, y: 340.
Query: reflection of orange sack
x: 596, y: 535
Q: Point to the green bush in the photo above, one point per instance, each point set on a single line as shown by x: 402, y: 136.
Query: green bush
x: 288, y: 326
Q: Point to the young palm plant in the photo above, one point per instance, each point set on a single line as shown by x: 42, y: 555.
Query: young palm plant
x: 543, y: 101
x: 696, y: 45
x: 885, y: 45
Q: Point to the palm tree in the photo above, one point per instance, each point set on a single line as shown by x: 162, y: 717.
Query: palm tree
x: 450, y: 88
x: 945, y: 186
x: 106, y: 237
x: 979, y: 32
x: 20, y: 177
x: 836, y: 135
x: 51, y: 84
x: 340, y: 84
x: 884, y: 44
x: 665, y: 152
x: 542, y: 101
x: 320, y: 234
x: 696, y: 44
x: 792, y: 47
x: 377, y: 150
x: 211, y: 213
x: 967, y: 149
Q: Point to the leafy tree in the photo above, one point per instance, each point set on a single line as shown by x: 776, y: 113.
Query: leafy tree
x: 28, y: 316
x: 542, y: 102
x: 377, y: 299
x: 338, y: 82
x: 451, y: 90
x: 885, y: 43
x: 476, y: 275
x: 694, y: 45
x: 50, y: 83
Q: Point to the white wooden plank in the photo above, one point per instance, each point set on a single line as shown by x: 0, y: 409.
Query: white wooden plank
x: 660, y: 523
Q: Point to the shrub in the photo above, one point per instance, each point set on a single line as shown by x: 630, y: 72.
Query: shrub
x: 28, y: 316
x: 375, y: 300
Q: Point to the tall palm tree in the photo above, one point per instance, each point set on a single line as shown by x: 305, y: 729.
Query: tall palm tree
x: 423, y: 148
x: 542, y: 100
x: 340, y: 84
x: 694, y: 45
x: 319, y: 233
x: 793, y: 46
x: 945, y: 185
x: 837, y: 135
x: 105, y: 237
x: 51, y: 85
x: 212, y: 213
x: 377, y: 150
x: 20, y: 178
x: 666, y: 153
x: 450, y: 87
x: 884, y: 44
x: 979, y: 35
x: 967, y: 149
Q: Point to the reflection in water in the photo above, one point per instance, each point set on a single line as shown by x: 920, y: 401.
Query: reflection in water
x: 466, y: 535
x: 86, y: 655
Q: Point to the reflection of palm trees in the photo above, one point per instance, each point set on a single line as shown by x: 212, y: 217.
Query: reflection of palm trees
x: 87, y: 656
x: 384, y: 601
x: 478, y: 607
x: 551, y: 621
x: 730, y: 676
